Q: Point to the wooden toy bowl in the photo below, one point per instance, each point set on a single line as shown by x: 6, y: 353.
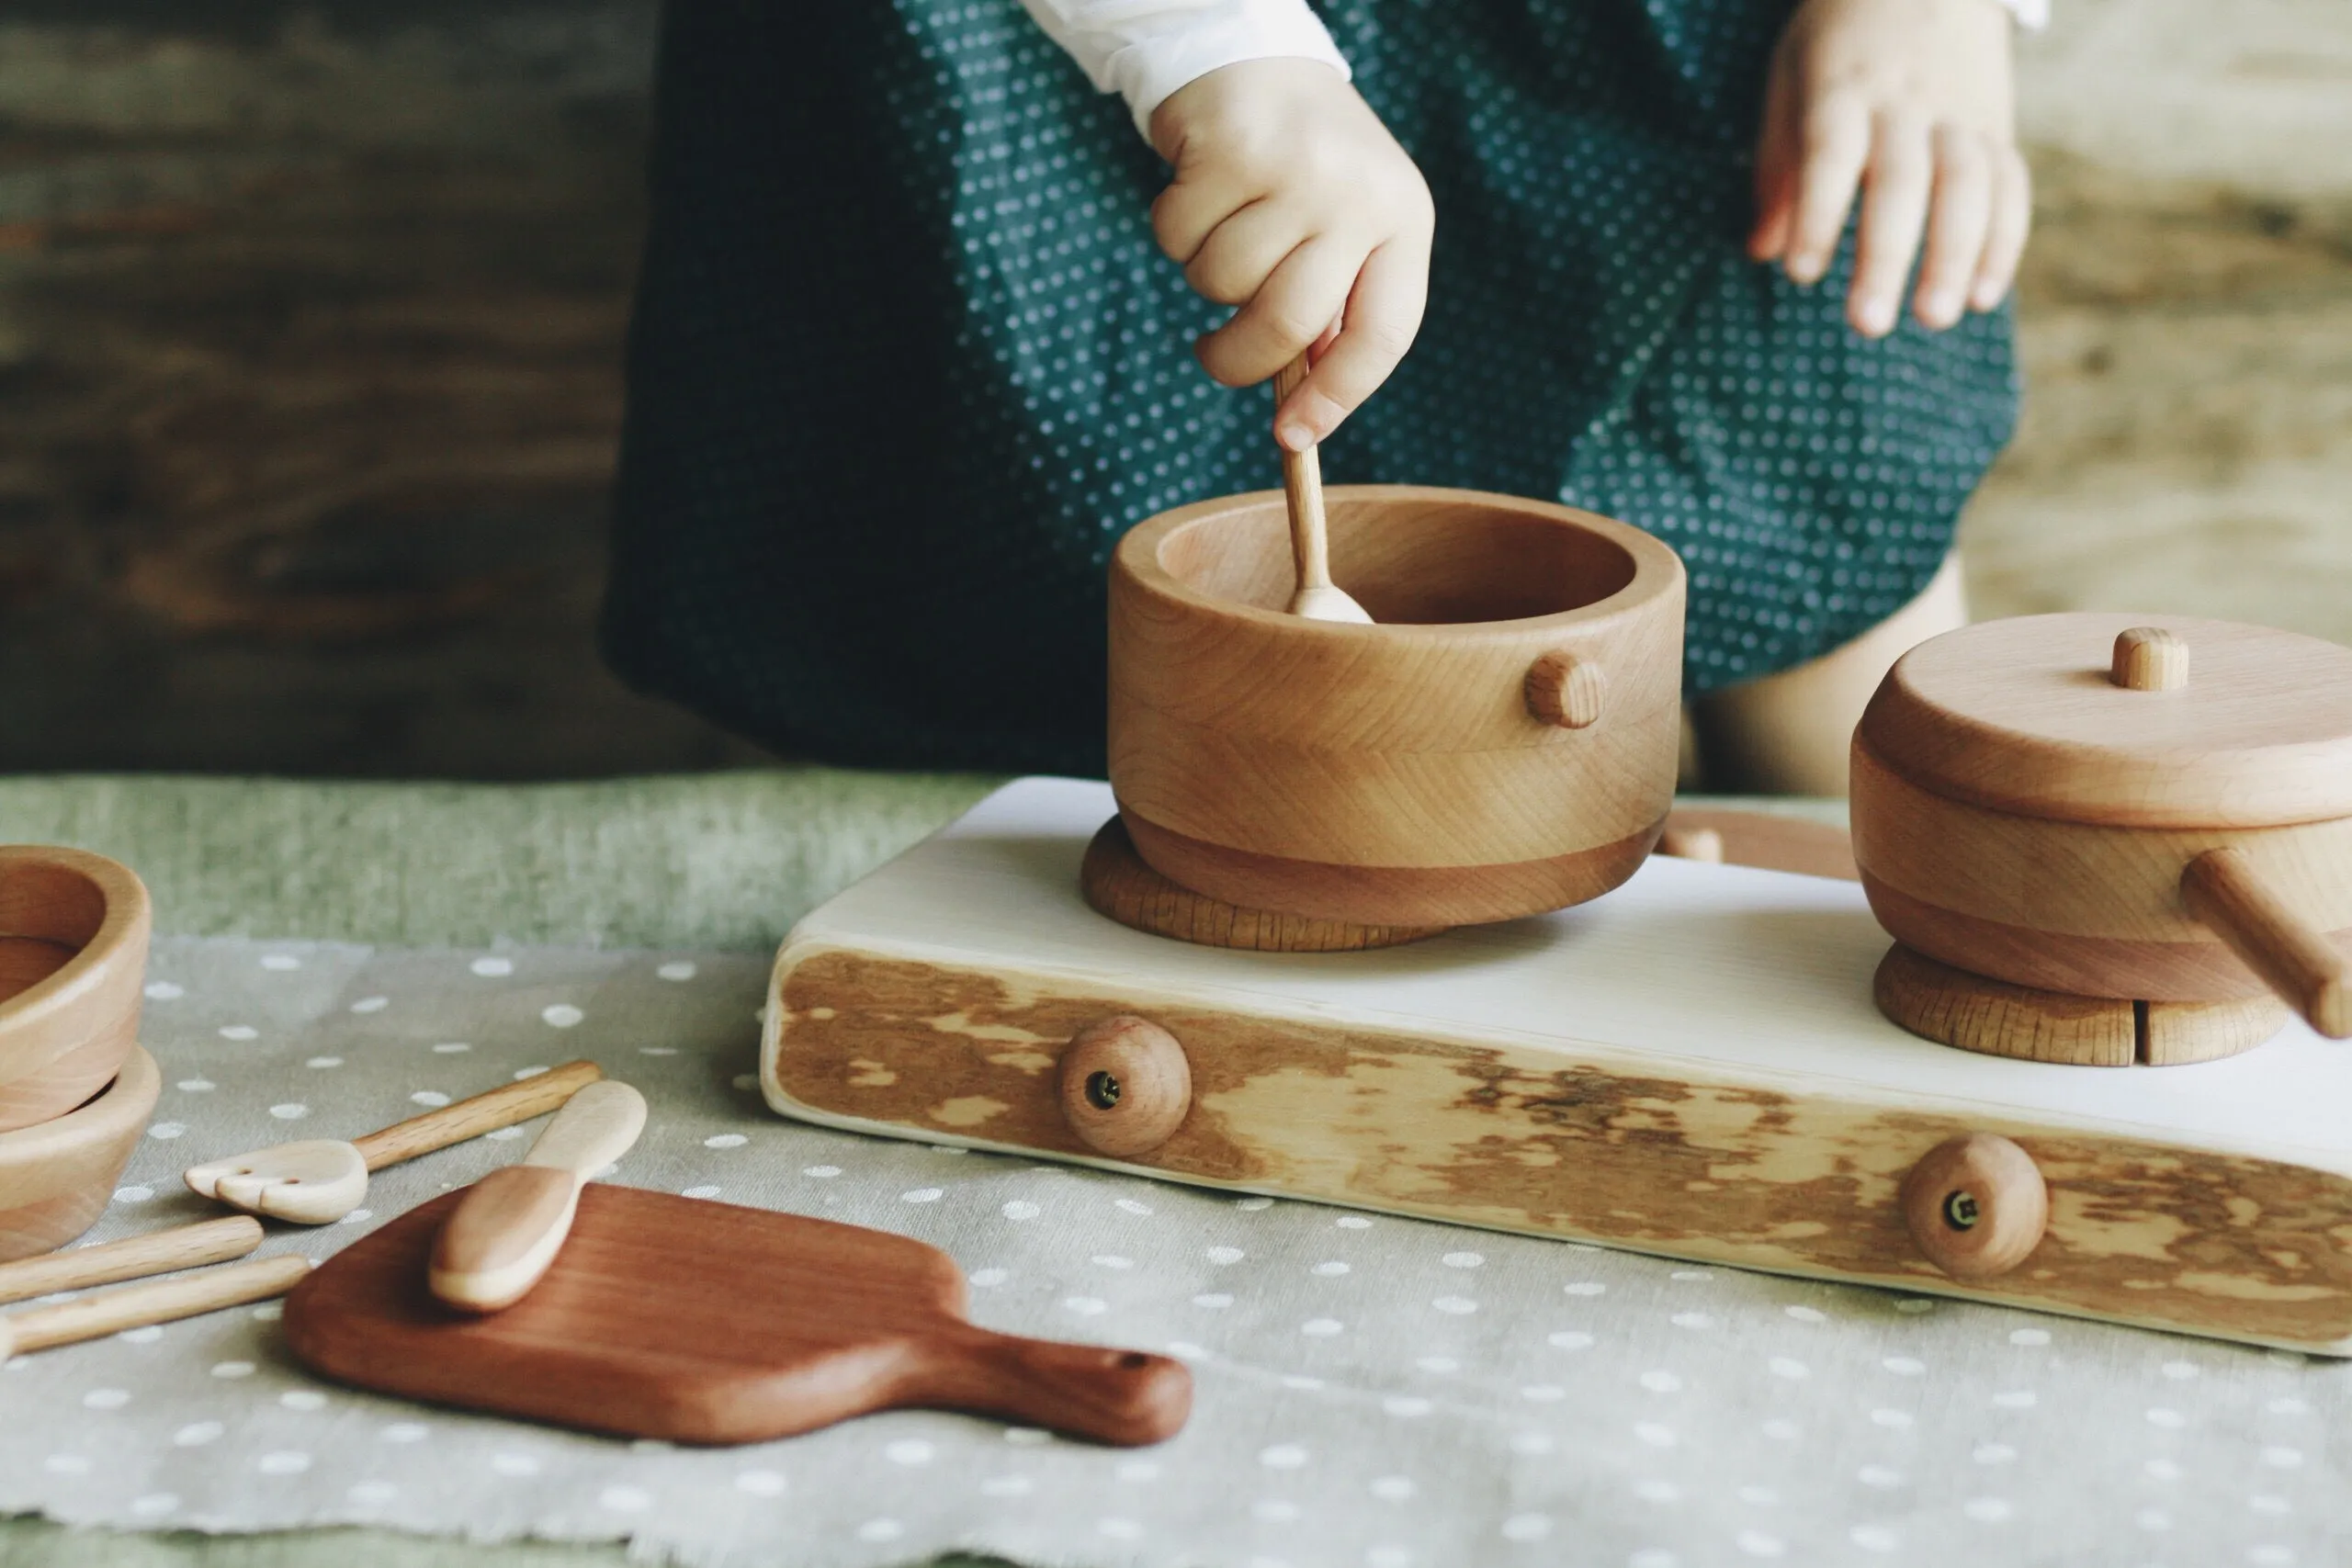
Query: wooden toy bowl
x: 2152, y: 810
x: 73, y: 932
x: 1502, y: 741
x: 58, y: 1177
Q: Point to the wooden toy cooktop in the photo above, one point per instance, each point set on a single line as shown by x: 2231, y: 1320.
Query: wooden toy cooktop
x: 1690, y: 1066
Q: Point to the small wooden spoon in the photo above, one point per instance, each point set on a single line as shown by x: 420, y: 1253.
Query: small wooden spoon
x: 507, y: 1229
x: 319, y: 1181
x: 1310, y: 545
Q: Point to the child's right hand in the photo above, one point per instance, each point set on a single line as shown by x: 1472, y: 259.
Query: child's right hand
x: 1291, y: 200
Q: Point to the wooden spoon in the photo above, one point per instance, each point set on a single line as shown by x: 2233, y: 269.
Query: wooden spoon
x: 151, y: 1301
x: 319, y: 1181
x: 1310, y: 545
x: 507, y: 1229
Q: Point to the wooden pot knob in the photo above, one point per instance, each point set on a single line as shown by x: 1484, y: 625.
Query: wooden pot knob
x: 1976, y: 1206
x: 1564, y: 690
x: 2150, y: 659
x: 1124, y: 1086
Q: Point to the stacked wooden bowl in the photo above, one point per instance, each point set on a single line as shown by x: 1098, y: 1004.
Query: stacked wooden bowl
x: 75, y: 1089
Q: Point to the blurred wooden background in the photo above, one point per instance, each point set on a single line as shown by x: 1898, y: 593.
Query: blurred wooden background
x: 311, y: 320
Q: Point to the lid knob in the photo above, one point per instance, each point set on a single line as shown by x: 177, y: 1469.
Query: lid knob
x: 2150, y: 659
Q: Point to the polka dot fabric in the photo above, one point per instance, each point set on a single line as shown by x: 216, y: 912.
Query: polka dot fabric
x: 906, y: 362
x: 1372, y: 1392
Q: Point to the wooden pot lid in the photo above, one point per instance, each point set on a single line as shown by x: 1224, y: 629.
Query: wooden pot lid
x: 2146, y: 721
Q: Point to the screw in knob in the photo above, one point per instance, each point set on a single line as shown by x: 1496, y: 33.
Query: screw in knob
x: 1124, y: 1086
x: 1976, y: 1206
x: 2150, y: 659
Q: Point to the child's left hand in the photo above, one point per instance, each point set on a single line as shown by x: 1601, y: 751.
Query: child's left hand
x: 1911, y: 100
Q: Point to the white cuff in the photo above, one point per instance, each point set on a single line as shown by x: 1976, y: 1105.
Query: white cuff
x: 2031, y: 15
x: 1145, y: 49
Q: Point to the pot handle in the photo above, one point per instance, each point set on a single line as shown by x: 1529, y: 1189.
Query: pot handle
x: 2222, y: 888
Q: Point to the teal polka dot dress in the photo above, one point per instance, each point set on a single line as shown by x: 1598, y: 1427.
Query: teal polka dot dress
x: 905, y: 362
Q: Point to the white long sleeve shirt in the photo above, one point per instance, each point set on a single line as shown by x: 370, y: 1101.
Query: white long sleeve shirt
x: 1144, y: 50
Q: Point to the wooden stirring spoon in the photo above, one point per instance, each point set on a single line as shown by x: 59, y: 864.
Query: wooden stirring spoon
x: 506, y: 1230
x: 1310, y: 546
x: 318, y: 1181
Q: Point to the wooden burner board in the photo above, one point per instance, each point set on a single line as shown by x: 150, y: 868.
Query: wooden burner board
x: 1690, y: 1066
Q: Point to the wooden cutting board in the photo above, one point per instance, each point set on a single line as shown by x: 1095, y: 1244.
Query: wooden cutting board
x: 711, y: 1323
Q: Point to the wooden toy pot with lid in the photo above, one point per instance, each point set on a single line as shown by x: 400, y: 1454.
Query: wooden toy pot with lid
x: 2152, y: 809
x: 1503, y: 741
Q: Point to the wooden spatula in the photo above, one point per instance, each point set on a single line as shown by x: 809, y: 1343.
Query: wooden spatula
x: 706, y: 1323
x: 512, y: 1223
x: 319, y: 1180
x: 1310, y: 545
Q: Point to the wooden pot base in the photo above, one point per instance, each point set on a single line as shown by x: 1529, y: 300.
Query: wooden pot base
x: 1119, y: 885
x: 1954, y: 1006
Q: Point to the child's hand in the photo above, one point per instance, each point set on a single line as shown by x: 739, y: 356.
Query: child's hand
x: 1911, y: 98
x: 1291, y: 200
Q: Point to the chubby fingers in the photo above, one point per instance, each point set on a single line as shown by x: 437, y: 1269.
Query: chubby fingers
x: 1833, y: 148
x: 1777, y: 162
x: 1901, y: 178
x: 2011, y: 215
x: 1957, y: 227
x: 1283, y: 315
x: 1382, y: 316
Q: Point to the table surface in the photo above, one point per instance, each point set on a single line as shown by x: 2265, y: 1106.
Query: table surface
x: 720, y: 861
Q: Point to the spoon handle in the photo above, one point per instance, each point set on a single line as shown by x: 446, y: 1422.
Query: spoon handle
x: 502, y: 1107
x: 151, y: 1301
x: 134, y: 1257
x: 506, y: 1231
x: 2222, y: 888
x: 1310, y: 546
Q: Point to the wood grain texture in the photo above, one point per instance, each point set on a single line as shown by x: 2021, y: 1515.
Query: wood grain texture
x: 1564, y: 690
x: 2023, y: 715
x: 1660, y: 1156
x: 1976, y: 1206
x: 1405, y: 745
x: 2177, y: 1034
x: 2072, y: 906
x: 1118, y: 884
x: 66, y: 1032
x: 75, y: 1156
x: 151, y: 1301
x: 510, y: 1227
x: 1392, y: 895
x: 1954, y: 1007
x: 506, y: 1106
x: 132, y: 1258
x: 2149, y: 659
x: 1315, y: 597
x: 2224, y: 889
x: 1124, y: 1086
x: 700, y: 1322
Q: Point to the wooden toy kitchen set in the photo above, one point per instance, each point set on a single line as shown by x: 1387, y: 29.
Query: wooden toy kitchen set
x: 1368, y: 914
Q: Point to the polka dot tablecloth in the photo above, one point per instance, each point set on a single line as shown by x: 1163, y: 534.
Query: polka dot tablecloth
x: 1373, y: 1393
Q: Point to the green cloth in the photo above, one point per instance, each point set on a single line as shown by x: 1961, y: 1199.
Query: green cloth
x: 718, y: 860
x: 894, y: 397
x: 709, y: 862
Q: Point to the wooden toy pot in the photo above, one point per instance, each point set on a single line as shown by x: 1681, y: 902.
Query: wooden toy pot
x: 57, y: 1178
x: 1502, y: 741
x: 2152, y: 810
x: 74, y: 933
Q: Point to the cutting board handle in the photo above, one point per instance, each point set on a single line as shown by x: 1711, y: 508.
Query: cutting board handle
x: 1127, y: 1397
